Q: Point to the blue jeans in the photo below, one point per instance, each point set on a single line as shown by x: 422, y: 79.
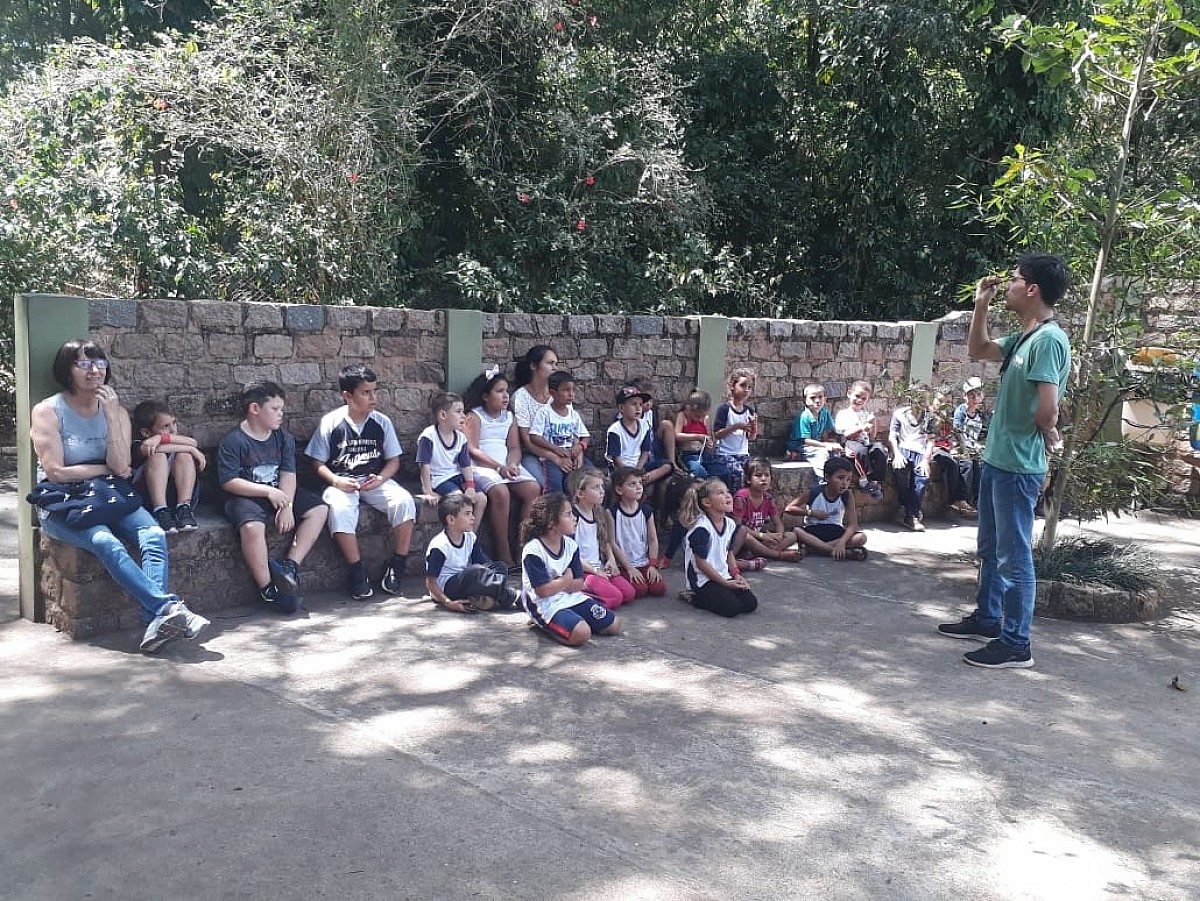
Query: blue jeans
x: 910, y: 484
x: 146, y: 584
x: 535, y: 467
x: 1007, y: 585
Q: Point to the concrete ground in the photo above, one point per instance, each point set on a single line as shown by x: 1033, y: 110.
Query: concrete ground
x: 831, y: 745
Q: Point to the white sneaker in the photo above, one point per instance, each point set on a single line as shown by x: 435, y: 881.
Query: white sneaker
x: 195, y: 622
x: 172, y: 623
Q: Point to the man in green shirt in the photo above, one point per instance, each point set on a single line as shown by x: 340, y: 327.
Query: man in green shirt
x: 1035, y: 364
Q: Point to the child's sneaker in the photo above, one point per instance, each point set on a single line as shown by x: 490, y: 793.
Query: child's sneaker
x: 392, y: 574
x: 874, y: 490
x: 171, y: 623
x: 913, y: 524
x: 166, y: 520
x: 185, y: 520
x: 360, y: 585
x: 285, y: 576
x: 284, y: 602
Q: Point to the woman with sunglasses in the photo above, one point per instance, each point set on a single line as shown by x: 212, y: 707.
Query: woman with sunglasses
x: 83, y: 433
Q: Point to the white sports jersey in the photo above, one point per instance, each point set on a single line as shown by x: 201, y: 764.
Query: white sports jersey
x: 835, y: 510
x: 624, y: 448
x: 443, y: 559
x: 706, y: 542
x: 539, y: 566
x: 560, y: 430
x: 587, y: 538
x: 630, y: 531
x: 849, y: 420
x: 735, y: 443
x: 444, y: 461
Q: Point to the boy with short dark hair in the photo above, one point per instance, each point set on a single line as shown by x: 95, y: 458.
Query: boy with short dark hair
x: 356, y: 452
x: 458, y: 574
x: 256, y: 467
x: 830, y: 514
x: 558, y: 428
x: 445, y: 456
x: 165, y: 466
x: 630, y: 440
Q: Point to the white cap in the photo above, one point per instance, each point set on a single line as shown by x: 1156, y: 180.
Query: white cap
x: 974, y: 383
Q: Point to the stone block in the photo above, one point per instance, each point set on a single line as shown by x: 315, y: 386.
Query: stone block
x: 319, y: 401
x: 891, y: 332
x: 820, y: 351
x: 222, y: 346
x: 132, y: 346
x: 685, y: 348
x: 273, y: 347
x: 678, y: 327
x: 426, y: 321
x: 792, y: 350
x: 587, y: 371
x: 296, y: 374
x: 245, y: 374
x: 320, y: 347
x: 411, y: 400
x: 216, y: 316
x: 780, y: 328
x: 593, y: 348
x: 357, y: 348
x: 388, y: 321
x: 567, y: 350
x: 548, y: 326
x: 304, y: 318
x: 113, y: 313
x: 498, y: 350
x: 163, y: 314
x: 645, y: 325
x: 347, y: 319
x: 401, y: 348
x: 262, y: 317
x: 611, y: 325
x: 670, y: 367
x: 871, y: 352
x: 517, y: 323
x: 489, y: 323
x: 424, y: 372
x: 183, y: 348
x: 897, y: 351
x: 156, y: 378
x: 772, y: 370
x: 188, y: 408
x: 630, y: 349
x: 860, y: 330
x: 801, y: 369
x: 581, y: 325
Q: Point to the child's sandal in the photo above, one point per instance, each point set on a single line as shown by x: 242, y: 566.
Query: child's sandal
x: 791, y: 555
x: 752, y: 564
x: 856, y: 553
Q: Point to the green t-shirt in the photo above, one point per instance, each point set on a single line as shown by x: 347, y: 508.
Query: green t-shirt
x: 1014, y: 442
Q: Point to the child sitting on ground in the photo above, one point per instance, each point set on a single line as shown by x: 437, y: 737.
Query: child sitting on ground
x: 356, y: 453
x: 458, y: 574
x: 256, y: 468
x: 553, y: 577
x: 855, y: 425
x: 693, y: 434
x: 734, y: 425
x: 635, y: 540
x: 165, y: 467
x: 830, y: 514
x: 593, y: 535
x: 495, y: 445
x: 813, y: 437
x: 559, y: 430
x: 912, y: 448
x: 754, y: 507
x: 444, y: 457
x: 713, y: 576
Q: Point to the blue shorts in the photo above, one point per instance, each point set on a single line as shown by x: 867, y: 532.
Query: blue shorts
x: 826, y: 531
x: 451, y: 485
x: 562, y: 624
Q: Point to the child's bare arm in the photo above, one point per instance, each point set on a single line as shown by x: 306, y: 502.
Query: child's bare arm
x: 441, y: 599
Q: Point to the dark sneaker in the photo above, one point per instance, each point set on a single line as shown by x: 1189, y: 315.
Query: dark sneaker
x: 185, y: 520
x: 913, y: 524
x: 360, y: 585
x: 391, y: 579
x: 997, y: 655
x: 166, y: 520
x: 509, y: 598
x: 874, y: 490
x: 284, y: 576
x: 268, y: 595
x: 970, y: 627
x: 170, y: 624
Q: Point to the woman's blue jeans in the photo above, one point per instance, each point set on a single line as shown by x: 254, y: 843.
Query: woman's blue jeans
x: 146, y: 584
x: 1007, y: 585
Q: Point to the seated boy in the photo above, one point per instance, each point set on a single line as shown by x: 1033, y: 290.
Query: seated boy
x: 855, y: 426
x: 165, y: 467
x: 630, y: 440
x: 356, y: 452
x: 256, y: 467
x: 458, y: 574
x: 445, y: 456
x: 912, y: 449
x: 830, y: 515
x: 813, y: 437
x: 558, y: 428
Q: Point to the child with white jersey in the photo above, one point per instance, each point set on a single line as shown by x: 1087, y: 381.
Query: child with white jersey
x: 553, y: 577
x: 495, y: 447
x: 444, y: 457
x: 855, y: 425
x: 635, y: 540
x: 593, y: 535
x: 713, y: 575
x: 830, y: 514
x: 734, y: 425
x: 559, y: 432
x: 458, y: 574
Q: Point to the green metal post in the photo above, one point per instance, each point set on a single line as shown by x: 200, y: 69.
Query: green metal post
x: 710, y: 356
x: 464, y: 348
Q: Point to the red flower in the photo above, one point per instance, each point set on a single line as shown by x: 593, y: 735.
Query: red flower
x: 524, y: 198
x: 593, y: 21
x: 581, y: 224
x: 590, y: 180
x: 558, y: 26
x: 13, y: 203
x: 353, y: 176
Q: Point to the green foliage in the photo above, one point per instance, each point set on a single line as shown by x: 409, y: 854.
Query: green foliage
x: 1098, y: 561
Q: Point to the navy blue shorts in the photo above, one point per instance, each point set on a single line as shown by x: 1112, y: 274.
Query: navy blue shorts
x: 562, y: 624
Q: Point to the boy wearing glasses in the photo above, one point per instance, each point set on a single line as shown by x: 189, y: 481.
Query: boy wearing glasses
x: 166, y: 465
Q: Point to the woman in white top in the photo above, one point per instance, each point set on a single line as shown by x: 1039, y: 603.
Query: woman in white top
x: 495, y: 447
x: 533, y: 392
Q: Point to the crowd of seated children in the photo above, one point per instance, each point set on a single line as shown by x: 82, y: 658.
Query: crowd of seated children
x: 495, y: 446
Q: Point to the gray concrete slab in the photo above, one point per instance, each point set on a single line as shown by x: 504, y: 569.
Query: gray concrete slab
x: 831, y: 745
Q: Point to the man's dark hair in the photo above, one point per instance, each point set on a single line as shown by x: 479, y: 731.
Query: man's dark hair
x: 353, y: 376
x: 260, y: 392
x: 1048, y: 272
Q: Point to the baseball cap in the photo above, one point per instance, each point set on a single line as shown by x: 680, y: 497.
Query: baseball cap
x: 629, y: 393
x: 974, y: 383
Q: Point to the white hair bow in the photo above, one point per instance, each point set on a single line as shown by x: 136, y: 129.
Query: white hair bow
x: 492, y: 372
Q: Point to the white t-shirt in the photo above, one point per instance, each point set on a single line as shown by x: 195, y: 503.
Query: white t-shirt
x: 587, y: 538
x: 444, y: 559
x: 735, y: 443
x: 835, y: 510
x: 559, y: 429
x: 445, y: 461
x: 706, y: 542
x: 539, y: 566
x: 630, y: 532
x: 850, y: 421
x: 624, y: 448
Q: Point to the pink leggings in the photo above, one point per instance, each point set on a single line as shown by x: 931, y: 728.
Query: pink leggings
x: 612, y: 592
